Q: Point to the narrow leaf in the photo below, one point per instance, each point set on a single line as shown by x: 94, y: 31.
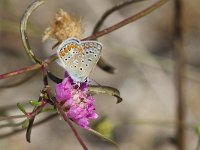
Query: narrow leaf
x: 25, y: 124
x: 103, y: 137
x: 96, y: 89
x: 21, y: 108
x: 35, y: 103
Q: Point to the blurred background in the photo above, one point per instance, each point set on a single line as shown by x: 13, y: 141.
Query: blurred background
x: 143, y: 54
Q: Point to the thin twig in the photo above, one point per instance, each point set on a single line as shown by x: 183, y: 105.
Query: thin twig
x: 110, y: 11
x: 62, y: 113
x: 127, y: 20
x: 2, y: 118
x: 38, y: 109
x: 179, y: 73
x: 23, y: 27
x: 94, y: 36
x: 20, y: 130
x: 20, y: 71
x: 101, y: 63
x: 25, y: 79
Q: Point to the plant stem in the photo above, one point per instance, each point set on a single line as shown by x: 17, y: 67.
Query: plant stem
x: 127, y: 20
x: 20, y: 130
x: 11, y: 117
x: 71, y: 126
x: 94, y: 36
x: 179, y: 73
x: 23, y: 27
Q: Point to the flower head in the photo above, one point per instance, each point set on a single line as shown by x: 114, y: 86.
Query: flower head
x: 62, y: 27
x: 79, y: 105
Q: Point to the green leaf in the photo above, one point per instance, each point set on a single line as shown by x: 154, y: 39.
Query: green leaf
x: 105, y: 127
x: 50, y: 109
x: 103, y: 137
x: 97, y: 89
x: 25, y: 123
x: 21, y: 107
x: 35, y: 103
x: 198, y: 129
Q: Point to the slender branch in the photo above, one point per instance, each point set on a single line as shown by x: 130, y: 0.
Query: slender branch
x: 11, y: 124
x: 127, y: 20
x: 101, y: 63
x: 62, y: 113
x: 20, y: 71
x: 179, y: 73
x: 29, y: 68
x: 25, y: 79
x: 2, y: 136
x: 2, y: 118
x: 94, y: 36
x: 110, y: 11
x: 32, y: 116
x: 23, y: 27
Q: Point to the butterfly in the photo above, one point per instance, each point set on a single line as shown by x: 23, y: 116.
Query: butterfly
x: 78, y: 58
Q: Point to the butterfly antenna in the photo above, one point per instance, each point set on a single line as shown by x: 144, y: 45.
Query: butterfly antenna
x: 95, y: 81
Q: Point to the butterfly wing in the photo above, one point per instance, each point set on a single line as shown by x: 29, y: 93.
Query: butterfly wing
x: 79, y: 58
x: 92, y: 53
x: 69, y: 57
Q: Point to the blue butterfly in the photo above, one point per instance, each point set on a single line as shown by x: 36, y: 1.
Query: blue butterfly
x: 78, y: 58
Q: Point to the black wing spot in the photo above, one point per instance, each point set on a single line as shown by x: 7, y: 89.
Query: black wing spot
x: 81, y: 69
x: 89, y: 59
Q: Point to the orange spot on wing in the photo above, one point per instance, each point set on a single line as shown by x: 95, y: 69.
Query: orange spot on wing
x: 62, y: 53
x: 72, y: 46
x: 66, y: 50
x: 79, y: 49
